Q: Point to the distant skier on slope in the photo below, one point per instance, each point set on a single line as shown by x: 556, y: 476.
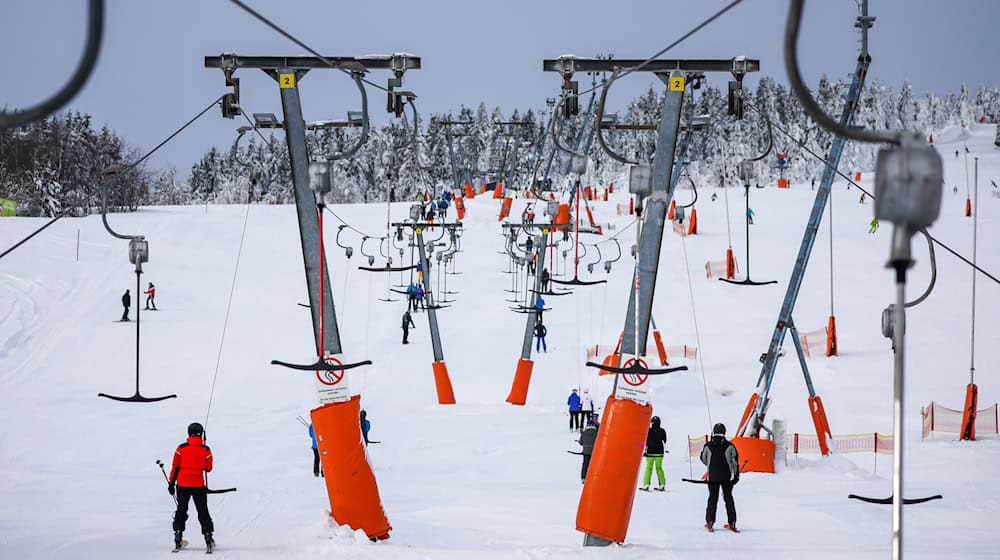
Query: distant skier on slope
x: 539, y: 306
x: 588, y: 437
x: 545, y: 280
x: 126, y: 303
x: 192, y: 460
x: 723, y: 462
x: 656, y: 439
x: 317, y: 471
x: 365, y: 426
x: 540, y: 332
x: 407, y: 323
x: 411, y: 298
x: 750, y: 216
x: 419, y: 295
x: 574, y: 410
x: 151, y: 296
x: 586, y: 406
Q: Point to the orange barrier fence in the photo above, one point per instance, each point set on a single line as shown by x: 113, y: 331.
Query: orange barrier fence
x: 936, y: 418
x: 813, y: 342
x: 721, y: 269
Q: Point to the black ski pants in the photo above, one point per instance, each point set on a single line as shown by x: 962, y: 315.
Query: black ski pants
x: 200, y: 497
x: 150, y: 301
x: 125, y: 314
x: 406, y: 335
x: 316, y: 469
x: 713, y: 501
x: 586, y: 465
x: 574, y: 420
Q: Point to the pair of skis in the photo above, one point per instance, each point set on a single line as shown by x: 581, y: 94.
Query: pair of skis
x: 208, y: 548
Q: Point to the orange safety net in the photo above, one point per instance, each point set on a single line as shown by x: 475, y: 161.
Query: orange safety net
x: 936, y: 418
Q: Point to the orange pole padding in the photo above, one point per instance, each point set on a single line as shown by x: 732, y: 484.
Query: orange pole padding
x: 969, y: 413
x: 587, y: 193
x: 350, y: 482
x: 660, y: 349
x: 609, y: 490
x: 460, y: 207
x: 931, y: 139
x: 968, y: 207
x: 857, y: 176
x: 613, y: 358
x: 730, y: 264
x: 631, y: 206
x: 757, y: 454
x: 782, y: 183
x: 606, y: 195
x: 498, y: 191
x: 831, y: 337
x: 505, y: 208
x: 590, y: 217
x: 443, y: 384
x: 693, y: 222
x: 522, y: 378
x: 747, y: 411
x: 611, y: 188
x: 482, y: 188
x: 820, y: 423
x: 670, y: 213
x: 469, y: 193
x: 562, y: 215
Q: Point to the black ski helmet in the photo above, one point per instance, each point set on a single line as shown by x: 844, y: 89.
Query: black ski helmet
x: 719, y: 429
x: 195, y: 429
x: 655, y: 421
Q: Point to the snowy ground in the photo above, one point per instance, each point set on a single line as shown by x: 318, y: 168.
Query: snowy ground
x: 481, y: 479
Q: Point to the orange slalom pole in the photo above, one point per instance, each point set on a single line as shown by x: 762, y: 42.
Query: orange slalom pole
x: 442, y: 383
x: 747, y: 411
x: 350, y: 482
x: 609, y: 490
x: 820, y: 423
x: 831, y: 337
x: 522, y: 379
x: 969, y: 413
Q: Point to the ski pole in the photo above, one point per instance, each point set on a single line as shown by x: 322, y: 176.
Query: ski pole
x: 304, y: 423
x: 159, y: 463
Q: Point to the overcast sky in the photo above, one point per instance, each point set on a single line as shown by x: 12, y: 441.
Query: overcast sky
x: 150, y: 76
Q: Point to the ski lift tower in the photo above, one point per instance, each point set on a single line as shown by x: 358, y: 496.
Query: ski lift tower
x: 609, y: 490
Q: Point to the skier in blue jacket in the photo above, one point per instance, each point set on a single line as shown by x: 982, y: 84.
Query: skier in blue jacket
x: 574, y: 410
x: 365, y: 426
x: 316, y: 470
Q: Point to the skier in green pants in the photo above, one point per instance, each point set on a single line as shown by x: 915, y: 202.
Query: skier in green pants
x: 656, y: 440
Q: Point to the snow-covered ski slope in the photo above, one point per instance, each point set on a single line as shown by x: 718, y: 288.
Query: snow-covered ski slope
x: 481, y: 479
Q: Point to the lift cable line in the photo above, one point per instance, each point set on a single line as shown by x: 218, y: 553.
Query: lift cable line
x: 847, y: 178
x: 91, y: 49
x: 117, y: 173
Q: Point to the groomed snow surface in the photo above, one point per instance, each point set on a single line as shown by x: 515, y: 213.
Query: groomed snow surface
x: 480, y: 479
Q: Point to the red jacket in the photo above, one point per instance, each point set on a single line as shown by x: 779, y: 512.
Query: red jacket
x: 151, y: 292
x: 191, y: 461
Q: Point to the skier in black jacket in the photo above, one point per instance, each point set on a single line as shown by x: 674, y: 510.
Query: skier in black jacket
x: 656, y: 438
x: 723, y: 462
x: 407, y: 323
x: 588, y: 437
x: 126, y: 303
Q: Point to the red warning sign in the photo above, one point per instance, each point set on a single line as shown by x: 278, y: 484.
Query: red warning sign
x: 635, y: 379
x: 328, y: 377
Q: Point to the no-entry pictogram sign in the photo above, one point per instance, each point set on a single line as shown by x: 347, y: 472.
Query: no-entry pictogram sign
x: 330, y: 377
x: 635, y: 379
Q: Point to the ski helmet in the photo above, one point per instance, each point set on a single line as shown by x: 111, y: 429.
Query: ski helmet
x: 719, y: 430
x: 655, y: 421
x: 195, y: 429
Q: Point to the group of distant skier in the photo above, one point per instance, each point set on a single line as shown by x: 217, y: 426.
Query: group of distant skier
x: 150, y: 294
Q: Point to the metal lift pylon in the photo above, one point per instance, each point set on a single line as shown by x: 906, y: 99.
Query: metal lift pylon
x: 609, y: 488
x: 336, y: 420
x: 753, y: 416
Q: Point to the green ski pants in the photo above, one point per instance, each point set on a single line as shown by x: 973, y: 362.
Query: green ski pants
x: 654, y: 461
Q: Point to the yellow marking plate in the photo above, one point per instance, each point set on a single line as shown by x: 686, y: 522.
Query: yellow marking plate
x: 286, y: 81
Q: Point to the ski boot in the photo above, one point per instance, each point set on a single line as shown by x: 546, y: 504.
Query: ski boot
x: 732, y: 527
x: 209, y: 543
x: 644, y: 488
x: 179, y: 541
x: 708, y: 526
x: 661, y: 488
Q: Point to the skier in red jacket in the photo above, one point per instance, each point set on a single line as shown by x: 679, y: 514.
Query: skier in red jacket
x: 151, y: 296
x: 187, y: 480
